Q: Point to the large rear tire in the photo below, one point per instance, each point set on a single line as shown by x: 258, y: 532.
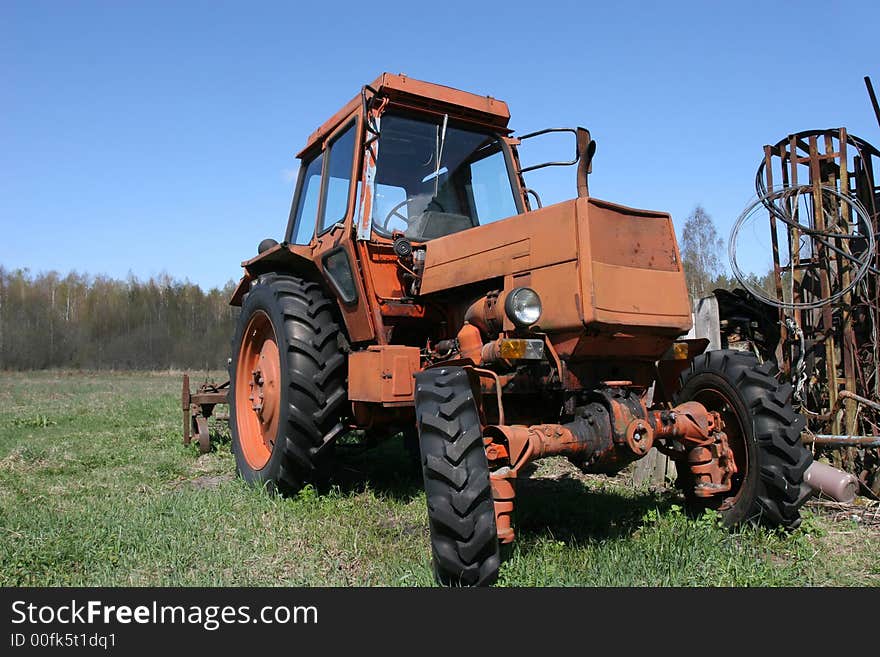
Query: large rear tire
x: 763, y: 431
x: 287, y: 384
x: 461, y: 513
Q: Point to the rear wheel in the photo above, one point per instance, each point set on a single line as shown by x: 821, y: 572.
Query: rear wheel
x: 461, y: 512
x: 763, y: 431
x: 287, y: 384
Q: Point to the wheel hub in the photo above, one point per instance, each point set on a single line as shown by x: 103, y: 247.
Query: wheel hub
x: 258, y: 388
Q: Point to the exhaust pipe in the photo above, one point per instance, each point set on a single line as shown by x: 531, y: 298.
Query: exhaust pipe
x: 838, y: 485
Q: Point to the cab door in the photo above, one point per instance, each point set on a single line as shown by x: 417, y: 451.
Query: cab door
x: 322, y: 218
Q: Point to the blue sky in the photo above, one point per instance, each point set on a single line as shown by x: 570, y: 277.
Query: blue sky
x: 150, y: 137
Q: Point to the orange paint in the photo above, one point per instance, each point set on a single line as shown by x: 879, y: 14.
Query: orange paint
x: 259, y: 377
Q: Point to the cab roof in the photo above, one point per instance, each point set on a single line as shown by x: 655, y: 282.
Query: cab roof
x: 406, y: 92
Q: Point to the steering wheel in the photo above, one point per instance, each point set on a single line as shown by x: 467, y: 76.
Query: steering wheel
x: 395, y: 212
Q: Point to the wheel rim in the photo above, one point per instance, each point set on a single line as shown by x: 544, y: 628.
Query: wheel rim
x: 258, y: 390
x: 716, y: 400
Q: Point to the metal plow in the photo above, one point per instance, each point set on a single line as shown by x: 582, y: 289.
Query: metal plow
x: 198, y: 407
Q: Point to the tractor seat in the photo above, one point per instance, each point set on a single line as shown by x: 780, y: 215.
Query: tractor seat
x: 433, y: 224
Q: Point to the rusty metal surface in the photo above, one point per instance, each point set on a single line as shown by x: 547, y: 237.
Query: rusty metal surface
x: 701, y: 434
x: 634, y: 274
x: 198, y: 407
x: 846, y: 441
x: 503, y: 496
x: 605, y: 437
x: 383, y: 374
x: 470, y: 343
x: 618, y: 430
x: 639, y: 437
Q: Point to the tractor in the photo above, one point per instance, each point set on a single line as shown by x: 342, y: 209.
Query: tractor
x: 421, y: 291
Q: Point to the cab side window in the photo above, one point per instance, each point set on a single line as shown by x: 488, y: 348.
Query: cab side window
x: 339, y: 164
x: 490, y: 188
x: 306, y: 213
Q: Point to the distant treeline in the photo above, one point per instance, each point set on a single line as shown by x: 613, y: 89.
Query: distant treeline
x: 96, y: 322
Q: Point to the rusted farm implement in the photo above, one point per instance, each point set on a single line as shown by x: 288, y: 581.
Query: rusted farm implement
x: 198, y: 407
x: 818, y: 197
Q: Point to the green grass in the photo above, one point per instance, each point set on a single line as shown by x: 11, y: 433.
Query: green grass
x: 96, y: 489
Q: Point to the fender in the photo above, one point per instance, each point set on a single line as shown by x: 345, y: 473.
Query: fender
x: 283, y: 257
x: 297, y: 260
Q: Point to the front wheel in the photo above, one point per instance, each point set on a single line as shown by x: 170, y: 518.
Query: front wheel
x: 461, y: 512
x: 763, y: 431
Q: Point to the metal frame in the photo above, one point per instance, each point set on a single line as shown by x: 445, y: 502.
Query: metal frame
x: 197, y: 407
x: 840, y: 337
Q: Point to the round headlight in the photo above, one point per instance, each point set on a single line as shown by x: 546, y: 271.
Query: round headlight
x: 523, y: 306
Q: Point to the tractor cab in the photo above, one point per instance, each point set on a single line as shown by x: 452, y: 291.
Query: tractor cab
x: 435, y: 177
x: 435, y: 161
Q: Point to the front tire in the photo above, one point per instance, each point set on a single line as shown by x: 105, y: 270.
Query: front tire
x: 461, y: 512
x: 287, y: 384
x: 763, y: 431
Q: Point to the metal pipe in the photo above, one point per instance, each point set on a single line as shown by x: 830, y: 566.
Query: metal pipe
x: 470, y: 343
x: 873, y: 98
x: 836, y: 439
x: 838, y: 485
x: 846, y: 394
x: 841, y: 397
x: 586, y: 439
x: 489, y: 374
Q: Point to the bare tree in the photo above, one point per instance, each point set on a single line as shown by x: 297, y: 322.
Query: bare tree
x: 700, y: 253
x: 81, y: 321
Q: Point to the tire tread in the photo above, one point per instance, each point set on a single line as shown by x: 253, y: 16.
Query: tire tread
x: 461, y: 512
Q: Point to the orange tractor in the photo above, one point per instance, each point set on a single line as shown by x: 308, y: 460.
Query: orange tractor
x: 422, y: 289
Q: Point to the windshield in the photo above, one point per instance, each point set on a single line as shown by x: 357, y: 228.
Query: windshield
x: 433, y: 179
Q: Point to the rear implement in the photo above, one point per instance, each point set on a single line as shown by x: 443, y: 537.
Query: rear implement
x: 198, y: 407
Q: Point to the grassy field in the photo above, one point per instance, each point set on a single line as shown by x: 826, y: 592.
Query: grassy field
x: 96, y: 489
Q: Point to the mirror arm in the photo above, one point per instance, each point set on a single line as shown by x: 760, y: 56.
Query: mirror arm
x: 534, y: 194
x: 548, y: 164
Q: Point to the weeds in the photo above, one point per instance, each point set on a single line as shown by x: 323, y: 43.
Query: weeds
x: 36, y: 422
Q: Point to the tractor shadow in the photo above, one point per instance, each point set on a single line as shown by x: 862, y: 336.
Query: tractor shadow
x: 386, y: 469
x: 576, y: 510
x: 571, y: 507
